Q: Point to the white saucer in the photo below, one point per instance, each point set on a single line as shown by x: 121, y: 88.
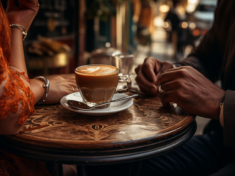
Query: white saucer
x: 113, y: 108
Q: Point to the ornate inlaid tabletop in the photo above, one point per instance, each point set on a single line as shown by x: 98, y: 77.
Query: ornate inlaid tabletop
x: 146, y: 120
x: 144, y: 130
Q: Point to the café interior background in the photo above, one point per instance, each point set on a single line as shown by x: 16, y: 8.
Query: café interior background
x: 69, y: 33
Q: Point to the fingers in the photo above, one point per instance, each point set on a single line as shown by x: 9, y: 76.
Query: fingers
x: 143, y: 89
x: 163, y: 67
x: 149, y: 73
x: 144, y: 83
x: 169, y: 81
x: 137, y: 69
x: 170, y: 75
x: 74, y: 87
x: 172, y: 85
x: 160, y: 91
x: 150, y: 67
x: 146, y: 75
x: 167, y: 98
x: 71, y: 78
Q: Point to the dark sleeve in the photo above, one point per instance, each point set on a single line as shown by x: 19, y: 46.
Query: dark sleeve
x: 229, y: 119
x: 206, y: 57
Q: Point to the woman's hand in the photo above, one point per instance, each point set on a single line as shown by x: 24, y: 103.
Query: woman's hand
x: 24, y: 14
x: 59, y: 87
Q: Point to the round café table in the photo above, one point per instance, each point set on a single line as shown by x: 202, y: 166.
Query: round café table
x: 142, y: 131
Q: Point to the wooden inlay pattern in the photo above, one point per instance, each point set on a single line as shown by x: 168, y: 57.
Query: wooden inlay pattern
x: 145, y: 120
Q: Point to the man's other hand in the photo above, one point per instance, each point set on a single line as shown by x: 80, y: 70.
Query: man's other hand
x: 148, y: 73
x: 191, y: 91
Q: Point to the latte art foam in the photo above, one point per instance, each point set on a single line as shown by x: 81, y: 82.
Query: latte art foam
x: 96, y: 70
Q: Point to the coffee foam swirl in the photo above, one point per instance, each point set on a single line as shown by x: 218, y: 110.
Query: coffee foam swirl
x: 97, y: 70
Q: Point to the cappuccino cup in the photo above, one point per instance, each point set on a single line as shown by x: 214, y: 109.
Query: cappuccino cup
x: 97, y: 83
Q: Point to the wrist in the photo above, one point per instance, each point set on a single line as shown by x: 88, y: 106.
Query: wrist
x: 20, y: 28
x: 37, y: 89
x: 219, y: 102
x: 17, y: 33
x: 46, y: 86
x: 19, y: 23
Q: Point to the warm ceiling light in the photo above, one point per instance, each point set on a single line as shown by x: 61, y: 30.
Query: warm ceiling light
x: 158, y: 22
x: 190, y: 8
x: 192, y: 1
x: 184, y: 25
x: 192, y: 26
x: 164, y: 8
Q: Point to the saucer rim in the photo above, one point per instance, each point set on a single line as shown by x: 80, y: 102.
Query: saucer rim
x: 96, y: 111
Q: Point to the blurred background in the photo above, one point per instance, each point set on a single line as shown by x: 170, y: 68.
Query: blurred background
x: 69, y: 33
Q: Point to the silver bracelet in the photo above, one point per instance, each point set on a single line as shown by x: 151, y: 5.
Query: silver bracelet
x: 24, y: 32
x: 46, y: 86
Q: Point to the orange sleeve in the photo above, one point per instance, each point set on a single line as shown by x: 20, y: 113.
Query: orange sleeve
x: 14, y: 90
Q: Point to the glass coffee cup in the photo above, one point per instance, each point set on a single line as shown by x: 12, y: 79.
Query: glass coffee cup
x: 97, y: 83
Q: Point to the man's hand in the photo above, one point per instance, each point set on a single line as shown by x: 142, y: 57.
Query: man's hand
x: 191, y: 91
x: 24, y: 14
x: 148, y: 73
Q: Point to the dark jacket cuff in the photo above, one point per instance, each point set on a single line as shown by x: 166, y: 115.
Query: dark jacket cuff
x: 229, y: 119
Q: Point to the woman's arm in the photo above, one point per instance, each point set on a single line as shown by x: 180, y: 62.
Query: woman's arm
x: 18, y: 62
x: 22, y: 15
x: 17, y: 94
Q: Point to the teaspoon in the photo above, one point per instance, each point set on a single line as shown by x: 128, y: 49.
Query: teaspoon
x: 82, y: 106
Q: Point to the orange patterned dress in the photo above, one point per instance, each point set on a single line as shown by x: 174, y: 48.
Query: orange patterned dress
x: 16, y: 94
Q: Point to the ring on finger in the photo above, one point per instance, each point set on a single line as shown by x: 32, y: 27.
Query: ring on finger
x: 160, y: 89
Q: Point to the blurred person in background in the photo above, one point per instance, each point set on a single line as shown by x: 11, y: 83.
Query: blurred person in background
x: 174, y: 20
x: 18, y: 94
